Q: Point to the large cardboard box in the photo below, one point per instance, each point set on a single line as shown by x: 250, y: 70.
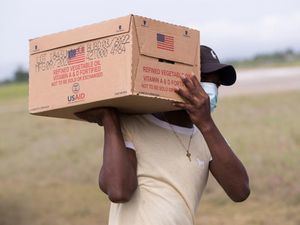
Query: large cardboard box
x: 132, y: 63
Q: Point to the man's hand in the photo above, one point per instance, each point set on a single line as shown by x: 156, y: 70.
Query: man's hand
x: 97, y: 115
x: 197, y: 103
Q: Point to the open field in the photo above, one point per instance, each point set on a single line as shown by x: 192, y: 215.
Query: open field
x: 49, y: 167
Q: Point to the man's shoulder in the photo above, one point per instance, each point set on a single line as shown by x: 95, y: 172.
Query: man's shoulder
x: 130, y: 119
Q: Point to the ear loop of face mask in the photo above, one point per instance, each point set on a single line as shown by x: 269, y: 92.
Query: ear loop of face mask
x: 211, y: 90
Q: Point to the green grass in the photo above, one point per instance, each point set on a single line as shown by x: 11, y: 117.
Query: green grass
x: 49, y: 167
x: 13, y: 91
x: 264, y: 132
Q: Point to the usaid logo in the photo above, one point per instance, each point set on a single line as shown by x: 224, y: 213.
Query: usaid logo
x: 77, y: 95
x: 76, y: 88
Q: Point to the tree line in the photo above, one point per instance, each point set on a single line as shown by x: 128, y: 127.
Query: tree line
x: 20, y: 75
x: 287, y: 57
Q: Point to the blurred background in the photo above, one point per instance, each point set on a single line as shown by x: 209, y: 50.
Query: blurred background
x: 49, y: 167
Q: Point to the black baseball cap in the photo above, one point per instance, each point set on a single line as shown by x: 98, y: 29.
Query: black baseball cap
x: 210, y: 63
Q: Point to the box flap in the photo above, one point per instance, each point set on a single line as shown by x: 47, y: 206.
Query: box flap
x: 81, y: 34
x: 166, y: 41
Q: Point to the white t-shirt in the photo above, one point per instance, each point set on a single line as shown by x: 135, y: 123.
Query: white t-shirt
x: 169, y: 185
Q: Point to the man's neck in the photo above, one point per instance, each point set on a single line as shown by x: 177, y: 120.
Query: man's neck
x: 179, y: 118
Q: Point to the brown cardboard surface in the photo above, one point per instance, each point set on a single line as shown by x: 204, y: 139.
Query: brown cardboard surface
x: 128, y: 104
x: 132, y: 63
x: 157, y: 78
x: 82, y: 34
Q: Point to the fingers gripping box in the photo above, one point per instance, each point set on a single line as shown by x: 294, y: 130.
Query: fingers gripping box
x: 132, y: 63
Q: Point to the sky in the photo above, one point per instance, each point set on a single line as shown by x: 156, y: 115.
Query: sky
x: 234, y: 29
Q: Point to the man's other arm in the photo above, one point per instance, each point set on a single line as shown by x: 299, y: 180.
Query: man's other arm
x: 117, y: 177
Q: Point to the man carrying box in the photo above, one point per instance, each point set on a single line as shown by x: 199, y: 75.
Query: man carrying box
x: 155, y: 166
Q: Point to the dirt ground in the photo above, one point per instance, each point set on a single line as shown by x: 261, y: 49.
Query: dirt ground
x: 259, y: 81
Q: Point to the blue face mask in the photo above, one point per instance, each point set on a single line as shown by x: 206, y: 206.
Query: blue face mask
x: 212, y: 90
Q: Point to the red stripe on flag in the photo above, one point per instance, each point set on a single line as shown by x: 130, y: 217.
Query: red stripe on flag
x: 164, y: 48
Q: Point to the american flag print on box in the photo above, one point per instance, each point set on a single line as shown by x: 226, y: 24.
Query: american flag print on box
x: 76, y: 56
x: 165, y: 42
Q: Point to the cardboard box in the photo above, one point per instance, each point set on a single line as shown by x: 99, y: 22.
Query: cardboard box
x: 132, y: 63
